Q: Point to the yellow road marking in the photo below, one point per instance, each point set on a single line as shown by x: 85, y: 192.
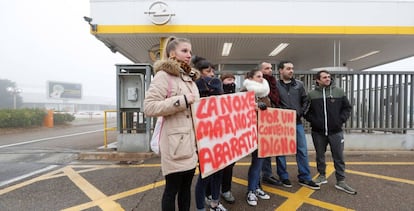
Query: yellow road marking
x: 295, y: 200
x: 381, y: 177
x: 118, y: 196
x: 29, y: 182
x: 91, y: 191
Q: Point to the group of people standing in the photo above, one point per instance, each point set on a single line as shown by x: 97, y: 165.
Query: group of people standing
x: 181, y: 79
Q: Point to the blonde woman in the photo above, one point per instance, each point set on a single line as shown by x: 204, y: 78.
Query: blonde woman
x: 175, y: 78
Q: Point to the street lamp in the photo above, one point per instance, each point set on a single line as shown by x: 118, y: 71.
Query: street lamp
x: 14, y: 91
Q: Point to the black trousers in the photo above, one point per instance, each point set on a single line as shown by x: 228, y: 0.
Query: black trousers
x: 226, y: 180
x: 178, y: 184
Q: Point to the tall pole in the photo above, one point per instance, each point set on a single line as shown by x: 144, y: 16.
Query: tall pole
x: 14, y: 101
x: 14, y: 91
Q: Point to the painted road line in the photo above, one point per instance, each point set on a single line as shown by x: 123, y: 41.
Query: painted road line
x: 50, y: 138
x: 378, y: 176
x: 117, y: 196
x: 91, y: 191
x: 27, y: 175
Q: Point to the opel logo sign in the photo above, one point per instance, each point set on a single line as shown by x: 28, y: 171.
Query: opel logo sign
x: 159, y: 13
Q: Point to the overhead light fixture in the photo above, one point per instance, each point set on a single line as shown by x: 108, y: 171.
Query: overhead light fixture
x: 278, y: 49
x: 226, y: 48
x: 363, y: 56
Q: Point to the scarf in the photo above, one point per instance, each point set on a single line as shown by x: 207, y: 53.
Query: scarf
x: 274, y: 93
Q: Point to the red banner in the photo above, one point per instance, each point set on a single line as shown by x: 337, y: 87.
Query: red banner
x: 226, y: 130
x: 277, y: 132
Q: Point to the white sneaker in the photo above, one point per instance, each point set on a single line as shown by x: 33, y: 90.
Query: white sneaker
x: 219, y: 207
x: 208, y: 200
x: 321, y: 179
x: 251, y: 198
x: 261, y: 194
x: 228, y: 197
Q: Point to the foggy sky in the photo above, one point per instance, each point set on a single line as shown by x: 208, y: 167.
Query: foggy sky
x: 48, y: 40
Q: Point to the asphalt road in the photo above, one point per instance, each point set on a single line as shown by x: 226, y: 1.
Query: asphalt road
x: 24, y: 151
x: 384, y: 181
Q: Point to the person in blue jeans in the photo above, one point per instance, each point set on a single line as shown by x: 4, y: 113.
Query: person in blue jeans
x: 266, y: 69
x: 254, y: 82
x: 293, y: 96
x: 208, y: 85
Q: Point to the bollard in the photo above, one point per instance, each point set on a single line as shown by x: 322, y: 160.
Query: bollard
x: 48, y: 120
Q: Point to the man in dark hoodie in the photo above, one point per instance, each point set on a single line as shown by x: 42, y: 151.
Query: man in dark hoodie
x: 329, y: 109
x: 266, y: 69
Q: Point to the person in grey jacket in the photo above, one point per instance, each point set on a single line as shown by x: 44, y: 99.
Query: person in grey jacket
x: 170, y: 95
x: 329, y: 109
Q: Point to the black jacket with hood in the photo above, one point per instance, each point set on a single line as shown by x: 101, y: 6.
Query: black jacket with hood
x: 329, y: 109
x: 293, y: 96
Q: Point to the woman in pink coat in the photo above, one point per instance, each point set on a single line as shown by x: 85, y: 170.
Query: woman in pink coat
x: 170, y: 95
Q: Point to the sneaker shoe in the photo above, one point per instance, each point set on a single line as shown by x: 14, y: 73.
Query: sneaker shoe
x: 341, y: 185
x: 261, y: 194
x: 219, y: 207
x: 208, y: 200
x: 286, y: 183
x: 272, y: 181
x: 251, y: 198
x: 228, y: 197
x: 321, y: 179
x: 309, y: 184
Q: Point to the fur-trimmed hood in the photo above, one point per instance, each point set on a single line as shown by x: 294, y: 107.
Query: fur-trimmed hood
x: 170, y: 66
x: 260, y: 89
x: 173, y: 67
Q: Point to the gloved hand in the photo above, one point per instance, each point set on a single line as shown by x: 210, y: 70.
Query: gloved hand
x: 262, y: 105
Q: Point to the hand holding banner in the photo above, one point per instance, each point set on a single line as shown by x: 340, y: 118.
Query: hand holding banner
x: 277, y: 132
x: 226, y: 130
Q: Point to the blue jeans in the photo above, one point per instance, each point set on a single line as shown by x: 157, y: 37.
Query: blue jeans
x: 267, y: 167
x: 253, y: 176
x: 301, y: 159
x: 214, y: 182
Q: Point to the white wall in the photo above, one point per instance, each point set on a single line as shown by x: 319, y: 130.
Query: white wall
x: 262, y: 12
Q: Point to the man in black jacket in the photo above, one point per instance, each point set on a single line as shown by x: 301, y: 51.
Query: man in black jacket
x: 329, y: 109
x: 293, y: 96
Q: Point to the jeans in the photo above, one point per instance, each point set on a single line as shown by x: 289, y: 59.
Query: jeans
x: 267, y: 167
x: 336, y: 144
x: 214, y: 182
x: 301, y: 158
x: 253, y: 177
x: 225, y: 181
x: 177, y: 184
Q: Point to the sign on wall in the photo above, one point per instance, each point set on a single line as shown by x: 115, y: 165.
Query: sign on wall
x: 62, y: 90
x: 276, y: 132
x: 226, y: 130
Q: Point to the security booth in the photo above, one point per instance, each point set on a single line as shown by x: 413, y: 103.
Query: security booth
x: 134, y: 128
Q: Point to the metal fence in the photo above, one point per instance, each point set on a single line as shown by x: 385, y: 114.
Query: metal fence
x: 382, y: 101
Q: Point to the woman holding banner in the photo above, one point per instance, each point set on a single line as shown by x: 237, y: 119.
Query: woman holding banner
x: 254, y: 82
x: 170, y: 95
x: 208, y: 85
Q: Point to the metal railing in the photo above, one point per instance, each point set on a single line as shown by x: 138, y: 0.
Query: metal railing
x: 381, y: 101
x: 106, y: 128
